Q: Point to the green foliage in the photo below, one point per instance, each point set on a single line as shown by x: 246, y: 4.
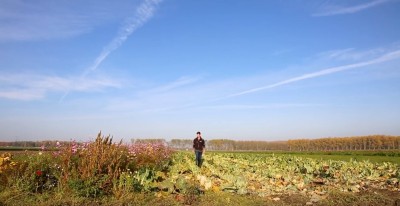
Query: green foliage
x: 6, y: 169
x: 34, y: 173
x: 91, y: 169
x: 101, y: 170
x: 281, y: 174
x: 92, y: 187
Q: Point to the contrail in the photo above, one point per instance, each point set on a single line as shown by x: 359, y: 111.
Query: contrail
x: 383, y: 58
x: 142, y: 14
x: 351, y: 9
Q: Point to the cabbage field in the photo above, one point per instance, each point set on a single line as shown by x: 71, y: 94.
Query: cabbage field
x: 106, y: 173
x: 273, y: 175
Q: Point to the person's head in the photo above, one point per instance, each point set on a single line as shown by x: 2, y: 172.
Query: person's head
x: 198, y: 134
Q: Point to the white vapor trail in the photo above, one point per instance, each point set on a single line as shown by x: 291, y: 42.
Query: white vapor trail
x: 384, y: 58
x: 142, y: 14
x: 352, y: 9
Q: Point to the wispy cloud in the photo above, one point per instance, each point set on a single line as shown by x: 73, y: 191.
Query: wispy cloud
x: 183, y: 81
x: 42, y: 20
x: 350, y: 54
x: 331, y: 10
x: 189, y: 93
x: 334, y: 54
x: 31, y: 87
x: 384, y: 58
x: 25, y: 20
x: 21, y: 94
x: 179, y: 92
x: 257, y: 107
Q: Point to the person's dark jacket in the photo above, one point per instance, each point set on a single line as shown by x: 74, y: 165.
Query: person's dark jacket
x: 199, y: 144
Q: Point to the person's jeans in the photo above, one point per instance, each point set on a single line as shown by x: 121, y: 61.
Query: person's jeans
x: 198, y: 157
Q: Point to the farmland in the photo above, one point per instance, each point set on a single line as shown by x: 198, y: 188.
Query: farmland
x: 107, y: 173
x: 392, y: 156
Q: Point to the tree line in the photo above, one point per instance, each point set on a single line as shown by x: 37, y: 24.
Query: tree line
x: 46, y: 143
x: 372, y: 142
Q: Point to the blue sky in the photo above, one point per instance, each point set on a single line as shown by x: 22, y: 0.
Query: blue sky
x: 257, y: 70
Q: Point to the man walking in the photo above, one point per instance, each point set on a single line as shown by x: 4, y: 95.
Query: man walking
x: 199, y: 147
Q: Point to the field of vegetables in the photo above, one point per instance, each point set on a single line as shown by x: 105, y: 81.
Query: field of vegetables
x: 106, y: 173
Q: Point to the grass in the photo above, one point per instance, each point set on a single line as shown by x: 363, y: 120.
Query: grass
x: 374, y: 159
x: 12, y: 148
x: 392, y: 156
x: 377, y: 156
